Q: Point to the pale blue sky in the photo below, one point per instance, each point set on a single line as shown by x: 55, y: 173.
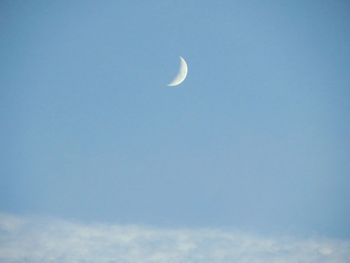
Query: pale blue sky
x: 257, y: 137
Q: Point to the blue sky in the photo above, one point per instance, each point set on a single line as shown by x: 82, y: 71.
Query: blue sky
x: 256, y: 138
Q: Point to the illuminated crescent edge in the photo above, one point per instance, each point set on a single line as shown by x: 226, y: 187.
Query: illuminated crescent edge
x: 181, y: 76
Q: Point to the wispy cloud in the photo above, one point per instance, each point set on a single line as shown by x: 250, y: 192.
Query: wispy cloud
x: 48, y: 240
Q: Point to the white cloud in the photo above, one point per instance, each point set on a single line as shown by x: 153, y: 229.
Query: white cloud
x: 48, y: 240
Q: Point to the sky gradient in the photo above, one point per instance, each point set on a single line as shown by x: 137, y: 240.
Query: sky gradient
x: 256, y: 138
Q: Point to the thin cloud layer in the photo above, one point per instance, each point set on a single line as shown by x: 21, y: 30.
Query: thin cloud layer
x: 48, y: 240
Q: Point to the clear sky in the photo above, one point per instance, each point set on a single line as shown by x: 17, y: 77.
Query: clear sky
x: 256, y: 138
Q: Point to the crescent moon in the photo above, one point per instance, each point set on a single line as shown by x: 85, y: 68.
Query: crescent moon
x: 181, y: 76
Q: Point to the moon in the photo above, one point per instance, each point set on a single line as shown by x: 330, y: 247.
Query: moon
x: 181, y: 75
